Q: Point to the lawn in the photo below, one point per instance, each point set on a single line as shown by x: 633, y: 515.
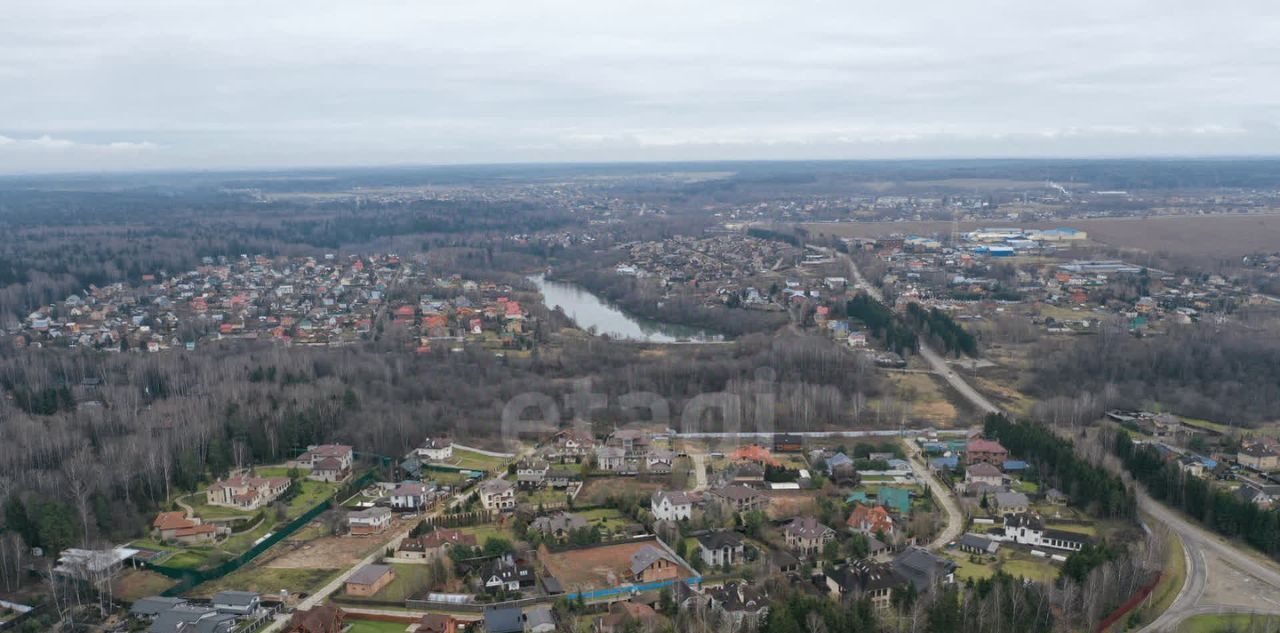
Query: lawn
x: 548, y: 497
x: 410, y: 581
x: 1221, y: 623
x: 487, y: 531
x: 966, y: 569
x: 472, y: 460
x: 268, y: 580
x: 1032, y: 569
x: 369, y: 626
x: 608, y: 519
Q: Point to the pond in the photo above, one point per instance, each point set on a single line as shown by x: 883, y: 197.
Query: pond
x: 589, y: 311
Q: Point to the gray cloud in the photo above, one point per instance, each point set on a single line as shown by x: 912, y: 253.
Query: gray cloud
x: 236, y: 83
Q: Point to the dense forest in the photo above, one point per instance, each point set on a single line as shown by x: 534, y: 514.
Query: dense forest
x: 139, y: 428
x: 940, y: 327
x: 1226, y: 373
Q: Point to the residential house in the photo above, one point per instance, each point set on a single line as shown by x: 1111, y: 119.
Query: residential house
x: 437, y: 623
x: 807, y: 537
x: 368, y: 521
x: 988, y: 451
x: 504, y: 620
x: 558, y: 525
x: 871, y: 521
x: 788, y: 443
x: 1011, y: 502
x: 409, y: 496
x: 325, y: 618
x: 433, y: 545
x: 245, y: 492
x: 877, y: 581
x: 176, y: 527
x: 197, y: 619
x: 369, y: 580
x: 740, y: 498
x: 976, y: 544
x: 671, y: 505
x: 924, y: 569
x: 570, y: 446
x: 327, y: 462
x: 507, y: 574
x: 540, y: 620
x: 497, y: 494
x: 561, y: 478
x: 436, y: 449
x: 1027, y: 528
x: 150, y: 607
x: 633, y: 442
x: 983, y: 473
x: 652, y: 563
x: 742, y: 604
x: 531, y: 474
x: 626, y: 614
x: 1259, y: 456
x: 611, y: 458
x: 239, y: 603
x: 720, y: 548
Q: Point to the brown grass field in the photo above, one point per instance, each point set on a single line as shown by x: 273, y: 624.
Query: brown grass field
x: 1219, y: 235
x: 596, y: 567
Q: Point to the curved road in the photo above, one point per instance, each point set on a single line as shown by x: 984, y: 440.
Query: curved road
x: 1221, y: 577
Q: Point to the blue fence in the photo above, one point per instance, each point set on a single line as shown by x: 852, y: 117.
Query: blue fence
x: 613, y: 591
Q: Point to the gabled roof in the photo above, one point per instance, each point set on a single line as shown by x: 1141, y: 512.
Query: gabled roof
x: 674, y: 497
x: 503, y: 620
x: 647, y: 556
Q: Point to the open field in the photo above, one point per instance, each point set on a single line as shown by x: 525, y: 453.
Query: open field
x: 600, y: 488
x: 268, y: 580
x: 472, y: 460
x: 926, y: 396
x: 597, y: 567
x: 1220, y: 235
x: 325, y: 551
x: 137, y: 583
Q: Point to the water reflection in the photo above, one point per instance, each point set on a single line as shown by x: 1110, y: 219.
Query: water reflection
x: 589, y: 311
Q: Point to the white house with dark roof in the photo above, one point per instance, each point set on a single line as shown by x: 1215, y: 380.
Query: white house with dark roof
x: 671, y: 505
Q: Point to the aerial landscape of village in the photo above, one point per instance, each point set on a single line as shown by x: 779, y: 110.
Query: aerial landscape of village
x: 639, y: 317
x: 887, y: 395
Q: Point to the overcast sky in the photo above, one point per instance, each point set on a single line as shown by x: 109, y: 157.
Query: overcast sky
x: 115, y: 84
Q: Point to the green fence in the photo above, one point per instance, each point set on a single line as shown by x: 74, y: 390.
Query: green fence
x: 189, y: 578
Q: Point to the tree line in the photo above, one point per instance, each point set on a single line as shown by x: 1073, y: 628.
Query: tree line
x: 1215, y: 508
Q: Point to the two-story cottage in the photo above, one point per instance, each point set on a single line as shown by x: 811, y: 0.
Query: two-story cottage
x: 720, y: 548
x: 436, y: 449
x: 497, y: 495
x: 368, y: 521
x: 245, y: 492
x: 671, y: 505
x: 807, y: 537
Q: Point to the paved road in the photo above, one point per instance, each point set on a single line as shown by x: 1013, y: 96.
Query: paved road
x: 1221, y: 577
x: 699, y: 470
x: 941, y: 494
x: 936, y: 362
